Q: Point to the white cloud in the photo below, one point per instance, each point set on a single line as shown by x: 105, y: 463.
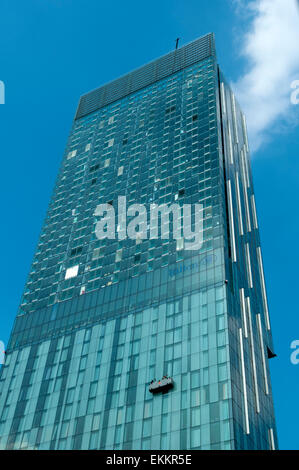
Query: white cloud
x: 271, y: 50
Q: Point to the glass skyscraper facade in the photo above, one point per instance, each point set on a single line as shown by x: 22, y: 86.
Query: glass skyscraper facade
x: 100, y: 319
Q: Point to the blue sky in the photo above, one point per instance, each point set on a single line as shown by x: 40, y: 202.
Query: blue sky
x: 53, y: 51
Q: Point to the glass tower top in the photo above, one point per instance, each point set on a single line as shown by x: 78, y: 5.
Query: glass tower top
x: 103, y: 321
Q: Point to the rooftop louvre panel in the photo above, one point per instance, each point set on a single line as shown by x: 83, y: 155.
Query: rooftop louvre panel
x: 144, y: 76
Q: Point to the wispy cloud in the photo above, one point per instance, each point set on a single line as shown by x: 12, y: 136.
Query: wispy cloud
x: 271, y: 50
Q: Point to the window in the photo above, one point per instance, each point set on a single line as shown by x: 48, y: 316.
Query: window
x: 94, y: 168
x: 180, y: 244
x: 118, y: 255
x: 72, y: 272
x: 76, y: 251
x: 195, y: 438
x: 170, y: 110
x: 137, y: 258
x: 82, y: 290
x: 97, y: 252
x: 72, y: 154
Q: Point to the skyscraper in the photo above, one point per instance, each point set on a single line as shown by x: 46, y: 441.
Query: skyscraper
x: 124, y: 343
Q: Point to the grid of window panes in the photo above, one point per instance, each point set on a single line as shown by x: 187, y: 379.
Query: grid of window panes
x: 159, y: 145
x: 89, y: 389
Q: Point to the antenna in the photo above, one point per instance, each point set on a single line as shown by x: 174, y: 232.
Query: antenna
x: 177, y: 43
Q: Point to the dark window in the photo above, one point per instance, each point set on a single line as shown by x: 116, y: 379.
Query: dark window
x: 170, y: 110
x: 76, y: 251
x: 94, y: 168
